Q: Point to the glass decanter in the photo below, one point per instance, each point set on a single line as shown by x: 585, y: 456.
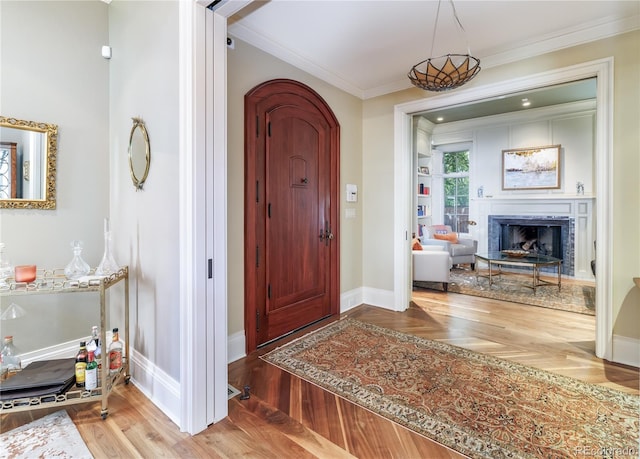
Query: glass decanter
x: 5, y: 267
x: 77, y: 267
x: 108, y: 264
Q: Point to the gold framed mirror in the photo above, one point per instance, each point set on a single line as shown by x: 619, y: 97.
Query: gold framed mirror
x: 139, y: 153
x: 28, y: 152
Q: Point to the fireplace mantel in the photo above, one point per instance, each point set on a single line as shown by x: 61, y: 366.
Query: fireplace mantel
x: 577, y: 207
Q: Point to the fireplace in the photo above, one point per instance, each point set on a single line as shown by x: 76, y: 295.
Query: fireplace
x: 552, y: 236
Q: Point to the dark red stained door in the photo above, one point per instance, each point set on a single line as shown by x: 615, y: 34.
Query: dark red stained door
x: 291, y: 215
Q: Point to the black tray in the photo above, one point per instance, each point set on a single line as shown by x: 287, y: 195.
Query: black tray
x: 40, y: 378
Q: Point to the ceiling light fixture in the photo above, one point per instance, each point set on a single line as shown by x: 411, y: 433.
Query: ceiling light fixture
x: 445, y: 72
x: 525, y: 102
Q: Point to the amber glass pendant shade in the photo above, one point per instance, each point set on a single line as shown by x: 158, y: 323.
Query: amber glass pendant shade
x: 444, y: 72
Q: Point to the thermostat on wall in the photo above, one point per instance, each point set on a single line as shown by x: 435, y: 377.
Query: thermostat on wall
x: 352, y: 193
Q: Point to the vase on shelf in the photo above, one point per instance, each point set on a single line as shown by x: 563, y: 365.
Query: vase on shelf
x: 108, y: 264
x: 77, y: 267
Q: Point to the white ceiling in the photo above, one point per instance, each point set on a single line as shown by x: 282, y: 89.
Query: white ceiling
x: 367, y: 47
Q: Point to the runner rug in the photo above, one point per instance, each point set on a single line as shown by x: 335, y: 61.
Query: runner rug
x: 514, y: 288
x: 54, y: 435
x: 478, y: 405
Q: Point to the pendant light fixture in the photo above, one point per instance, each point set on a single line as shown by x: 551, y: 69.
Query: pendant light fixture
x: 445, y: 72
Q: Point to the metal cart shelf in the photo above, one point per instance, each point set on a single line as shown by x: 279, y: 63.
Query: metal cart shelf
x: 50, y: 282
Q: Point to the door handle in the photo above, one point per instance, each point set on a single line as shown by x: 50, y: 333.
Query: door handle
x: 325, y: 234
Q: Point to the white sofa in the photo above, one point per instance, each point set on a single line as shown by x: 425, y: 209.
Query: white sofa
x: 432, y: 264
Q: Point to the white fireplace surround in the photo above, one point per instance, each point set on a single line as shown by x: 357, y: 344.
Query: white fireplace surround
x: 579, y: 208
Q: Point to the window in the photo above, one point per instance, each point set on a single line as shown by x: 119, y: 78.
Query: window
x: 456, y: 190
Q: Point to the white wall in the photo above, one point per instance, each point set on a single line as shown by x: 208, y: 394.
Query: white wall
x: 52, y: 72
x: 570, y: 125
x: 57, y: 75
x: 144, y: 83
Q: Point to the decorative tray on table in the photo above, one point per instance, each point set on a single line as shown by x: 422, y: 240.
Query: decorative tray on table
x: 515, y: 253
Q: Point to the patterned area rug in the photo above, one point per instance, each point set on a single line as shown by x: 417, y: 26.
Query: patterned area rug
x: 571, y: 297
x: 54, y: 435
x: 479, y: 405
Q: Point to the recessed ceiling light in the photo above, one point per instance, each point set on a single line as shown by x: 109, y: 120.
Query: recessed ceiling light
x: 439, y: 118
x: 525, y: 102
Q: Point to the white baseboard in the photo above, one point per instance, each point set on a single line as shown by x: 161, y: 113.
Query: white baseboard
x: 156, y: 385
x: 351, y: 299
x: 626, y: 350
x: 59, y: 351
x: 236, y: 347
x: 378, y: 297
x: 236, y: 343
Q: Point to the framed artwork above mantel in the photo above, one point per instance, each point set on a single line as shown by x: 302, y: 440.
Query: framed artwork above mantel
x: 535, y: 168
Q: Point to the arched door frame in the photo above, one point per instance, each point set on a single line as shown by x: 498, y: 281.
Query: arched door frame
x: 602, y: 69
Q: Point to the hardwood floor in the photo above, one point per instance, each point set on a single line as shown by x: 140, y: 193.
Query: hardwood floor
x: 288, y: 417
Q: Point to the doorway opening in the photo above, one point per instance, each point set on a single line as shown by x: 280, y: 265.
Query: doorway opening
x: 603, y: 71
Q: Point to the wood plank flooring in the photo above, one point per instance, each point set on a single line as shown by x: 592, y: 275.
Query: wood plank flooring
x: 287, y: 417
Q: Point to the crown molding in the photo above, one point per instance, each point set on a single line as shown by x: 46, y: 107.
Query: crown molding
x: 585, y: 33
x: 285, y: 54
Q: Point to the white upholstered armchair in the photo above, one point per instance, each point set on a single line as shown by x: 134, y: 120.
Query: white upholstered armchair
x: 432, y: 264
x: 462, y: 250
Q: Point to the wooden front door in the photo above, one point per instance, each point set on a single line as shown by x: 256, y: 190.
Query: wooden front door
x: 291, y: 210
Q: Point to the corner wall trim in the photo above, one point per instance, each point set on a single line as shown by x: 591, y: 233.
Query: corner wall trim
x: 626, y: 350
x: 160, y: 388
x: 351, y: 299
x: 236, y: 346
x: 378, y: 297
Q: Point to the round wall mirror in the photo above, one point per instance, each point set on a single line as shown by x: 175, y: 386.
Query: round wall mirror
x: 139, y: 153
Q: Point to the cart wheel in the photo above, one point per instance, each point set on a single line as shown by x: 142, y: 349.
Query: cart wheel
x: 127, y: 379
x: 104, y: 414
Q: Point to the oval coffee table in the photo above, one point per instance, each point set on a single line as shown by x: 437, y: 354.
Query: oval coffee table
x: 534, y: 261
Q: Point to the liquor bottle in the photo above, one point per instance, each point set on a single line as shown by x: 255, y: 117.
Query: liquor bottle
x: 91, y: 372
x: 81, y: 364
x: 115, y: 353
x: 95, y: 345
x: 11, y: 362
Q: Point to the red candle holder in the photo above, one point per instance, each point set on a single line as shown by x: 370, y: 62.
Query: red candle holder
x: 25, y: 273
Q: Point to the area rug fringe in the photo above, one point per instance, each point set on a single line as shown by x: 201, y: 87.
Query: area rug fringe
x: 445, y: 393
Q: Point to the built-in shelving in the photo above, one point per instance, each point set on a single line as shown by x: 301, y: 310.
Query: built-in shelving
x: 423, y: 191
